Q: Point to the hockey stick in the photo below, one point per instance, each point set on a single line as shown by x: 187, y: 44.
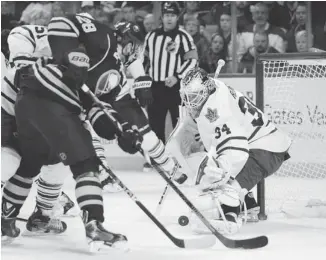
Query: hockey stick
x: 195, y: 243
x: 250, y: 243
x: 22, y: 219
x: 174, y: 133
x: 220, y: 64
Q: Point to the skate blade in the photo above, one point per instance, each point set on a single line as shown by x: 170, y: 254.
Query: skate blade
x: 40, y: 233
x: 101, y: 246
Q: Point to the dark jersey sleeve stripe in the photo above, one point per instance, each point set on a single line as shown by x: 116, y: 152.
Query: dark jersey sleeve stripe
x: 243, y: 138
x: 32, y: 39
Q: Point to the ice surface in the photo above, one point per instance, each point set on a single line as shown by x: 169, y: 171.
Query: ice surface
x: 288, y: 238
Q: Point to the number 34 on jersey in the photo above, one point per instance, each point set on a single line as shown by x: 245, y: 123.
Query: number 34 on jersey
x: 230, y: 121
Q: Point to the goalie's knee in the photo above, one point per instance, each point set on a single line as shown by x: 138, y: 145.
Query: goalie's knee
x: 10, y: 161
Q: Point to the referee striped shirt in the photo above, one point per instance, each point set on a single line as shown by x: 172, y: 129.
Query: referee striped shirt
x: 166, y: 50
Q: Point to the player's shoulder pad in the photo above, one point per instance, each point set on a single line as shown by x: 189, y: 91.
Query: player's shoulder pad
x: 26, y: 32
x: 65, y: 26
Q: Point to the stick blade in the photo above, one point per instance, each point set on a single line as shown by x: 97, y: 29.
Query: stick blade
x: 252, y: 243
x: 200, y: 242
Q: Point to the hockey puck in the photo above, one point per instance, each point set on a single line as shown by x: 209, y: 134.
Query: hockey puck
x: 183, y: 221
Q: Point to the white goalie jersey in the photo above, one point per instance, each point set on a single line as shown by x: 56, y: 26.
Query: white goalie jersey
x: 26, y: 44
x: 229, y: 125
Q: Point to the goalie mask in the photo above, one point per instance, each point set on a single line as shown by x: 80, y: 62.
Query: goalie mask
x: 195, y: 89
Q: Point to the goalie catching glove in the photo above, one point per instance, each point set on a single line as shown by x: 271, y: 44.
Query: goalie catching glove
x: 143, y: 92
x: 210, y: 175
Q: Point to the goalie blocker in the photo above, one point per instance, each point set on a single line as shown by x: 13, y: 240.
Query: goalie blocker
x: 243, y: 147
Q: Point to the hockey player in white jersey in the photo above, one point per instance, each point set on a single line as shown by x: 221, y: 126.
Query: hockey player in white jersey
x: 241, y: 145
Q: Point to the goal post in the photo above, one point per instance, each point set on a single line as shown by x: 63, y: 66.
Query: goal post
x: 291, y: 91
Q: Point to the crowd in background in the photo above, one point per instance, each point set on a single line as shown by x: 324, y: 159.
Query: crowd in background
x: 262, y: 27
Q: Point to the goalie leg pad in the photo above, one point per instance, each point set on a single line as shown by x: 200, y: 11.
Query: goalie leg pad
x: 221, y: 207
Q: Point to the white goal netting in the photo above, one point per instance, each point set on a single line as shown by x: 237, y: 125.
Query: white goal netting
x: 295, y: 101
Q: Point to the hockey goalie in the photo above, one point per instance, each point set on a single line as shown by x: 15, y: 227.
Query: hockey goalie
x: 236, y: 144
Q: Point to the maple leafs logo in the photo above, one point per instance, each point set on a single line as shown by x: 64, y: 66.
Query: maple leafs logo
x: 211, y: 115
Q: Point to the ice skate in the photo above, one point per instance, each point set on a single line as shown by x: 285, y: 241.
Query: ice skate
x: 99, y: 239
x: 9, y: 231
x: 252, y: 209
x: 40, y: 224
x: 178, y: 176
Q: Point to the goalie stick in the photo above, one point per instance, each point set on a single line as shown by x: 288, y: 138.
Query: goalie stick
x: 250, y: 243
x: 166, y: 190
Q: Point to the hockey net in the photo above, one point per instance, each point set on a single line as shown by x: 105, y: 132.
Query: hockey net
x: 292, y: 91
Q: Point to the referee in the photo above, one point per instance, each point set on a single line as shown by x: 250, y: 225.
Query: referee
x: 169, y: 53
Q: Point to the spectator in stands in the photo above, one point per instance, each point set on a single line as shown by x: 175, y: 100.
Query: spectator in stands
x: 302, y: 44
x: 91, y: 7
x: 129, y: 15
x: 276, y: 35
x: 225, y: 31
x: 300, y: 25
x: 225, y: 28
x: 37, y: 13
x: 282, y: 13
x: 190, y: 11
x: 244, y: 18
x: 192, y: 26
x: 149, y: 23
x: 57, y: 9
x: 216, y: 51
x: 261, y: 45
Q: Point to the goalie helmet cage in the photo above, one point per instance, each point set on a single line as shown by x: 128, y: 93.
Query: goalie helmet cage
x: 280, y: 82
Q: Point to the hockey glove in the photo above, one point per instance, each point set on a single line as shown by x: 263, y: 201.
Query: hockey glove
x: 211, y: 175
x: 129, y: 139
x: 76, y: 64
x: 143, y: 92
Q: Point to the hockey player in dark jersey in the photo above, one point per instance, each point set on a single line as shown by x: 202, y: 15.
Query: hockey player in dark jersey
x: 49, y: 104
x: 107, y: 79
